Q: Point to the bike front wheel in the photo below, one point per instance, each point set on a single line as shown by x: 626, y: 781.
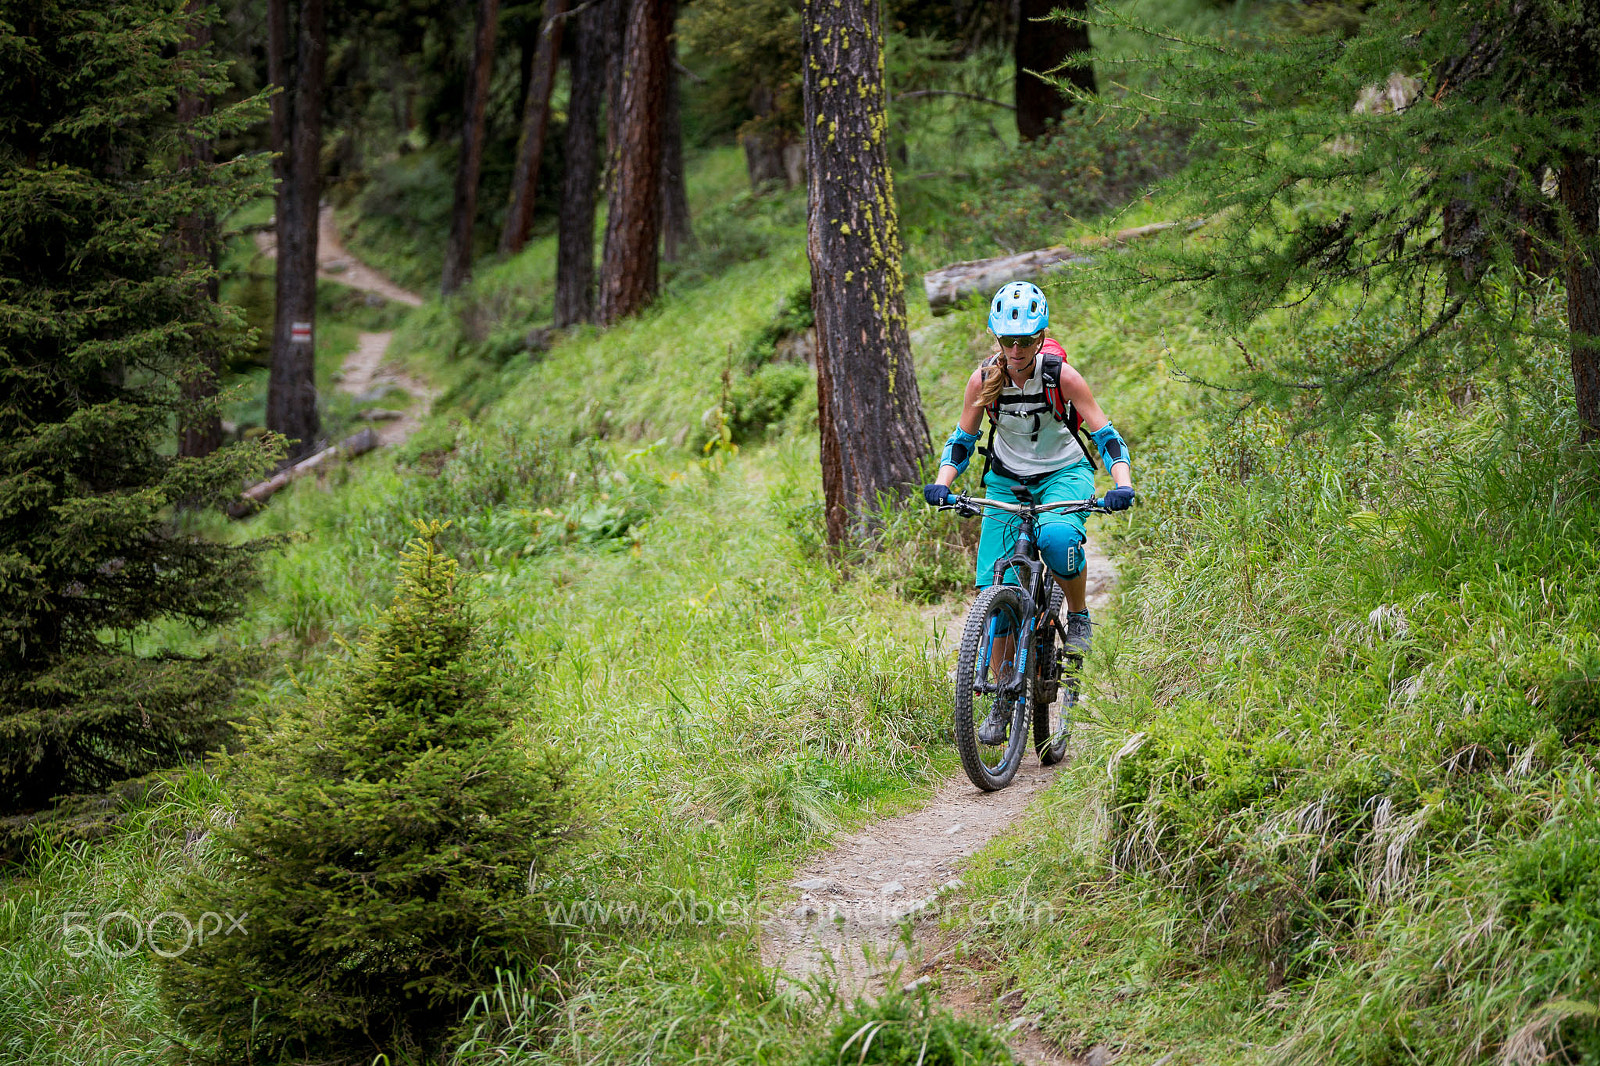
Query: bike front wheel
x: 990, y: 689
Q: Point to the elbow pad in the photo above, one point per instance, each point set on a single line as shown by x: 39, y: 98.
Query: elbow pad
x: 1113, y: 449
x: 958, y: 450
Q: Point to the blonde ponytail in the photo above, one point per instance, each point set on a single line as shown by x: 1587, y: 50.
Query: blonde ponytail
x: 994, y: 379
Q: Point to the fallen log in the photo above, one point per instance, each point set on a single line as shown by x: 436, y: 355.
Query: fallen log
x: 949, y: 285
x: 261, y: 491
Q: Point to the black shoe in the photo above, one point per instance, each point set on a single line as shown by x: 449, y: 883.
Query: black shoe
x: 995, y: 727
x: 1079, y: 633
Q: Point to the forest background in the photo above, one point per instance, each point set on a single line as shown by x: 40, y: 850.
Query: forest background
x: 1333, y: 797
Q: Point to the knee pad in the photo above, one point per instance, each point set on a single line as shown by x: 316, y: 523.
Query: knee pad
x: 1061, y: 545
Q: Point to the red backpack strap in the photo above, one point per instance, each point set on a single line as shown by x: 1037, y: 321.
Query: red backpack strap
x: 1054, y: 359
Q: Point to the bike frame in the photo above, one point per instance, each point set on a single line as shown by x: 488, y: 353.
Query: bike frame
x: 1024, y: 558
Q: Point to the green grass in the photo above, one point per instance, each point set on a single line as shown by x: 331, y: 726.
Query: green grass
x: 1339, y: 736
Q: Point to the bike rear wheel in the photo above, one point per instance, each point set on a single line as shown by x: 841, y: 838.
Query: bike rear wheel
x: 987, y: 678
x: 1056, y: 692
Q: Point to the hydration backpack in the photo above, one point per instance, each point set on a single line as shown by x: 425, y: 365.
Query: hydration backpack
x: 1053, y: 356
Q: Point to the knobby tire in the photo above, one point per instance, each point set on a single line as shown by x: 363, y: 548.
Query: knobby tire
x: 969, y: 710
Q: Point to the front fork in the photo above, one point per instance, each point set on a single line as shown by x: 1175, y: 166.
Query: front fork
x: 1020, y: 651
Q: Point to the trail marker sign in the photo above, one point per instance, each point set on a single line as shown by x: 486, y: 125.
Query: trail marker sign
x: 299, y: 333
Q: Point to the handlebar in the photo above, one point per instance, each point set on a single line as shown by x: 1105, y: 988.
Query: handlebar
x: 971, y: 505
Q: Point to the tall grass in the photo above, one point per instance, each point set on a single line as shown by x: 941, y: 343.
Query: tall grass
x: 1340, y: 756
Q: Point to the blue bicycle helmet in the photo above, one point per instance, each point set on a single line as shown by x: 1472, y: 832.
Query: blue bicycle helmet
x: 1019, y: 310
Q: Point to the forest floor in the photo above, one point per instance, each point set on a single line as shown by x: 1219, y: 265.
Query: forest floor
x: 850, y: 923
x: 364, y: 374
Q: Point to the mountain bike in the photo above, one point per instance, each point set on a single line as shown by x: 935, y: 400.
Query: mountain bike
x: 1013, y: 651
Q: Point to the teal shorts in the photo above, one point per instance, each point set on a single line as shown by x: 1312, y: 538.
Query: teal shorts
x: 1075, y: 482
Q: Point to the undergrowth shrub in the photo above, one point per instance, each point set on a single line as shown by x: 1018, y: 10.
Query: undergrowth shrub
x: 764, y: 398
x: 387, y: 837
x: 899, y: 1030
x: 1079, y: 170
x: 764, y: 383
x: 792, y: 318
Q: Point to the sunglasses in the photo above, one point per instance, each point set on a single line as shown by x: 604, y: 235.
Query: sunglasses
x: 1015, y: 342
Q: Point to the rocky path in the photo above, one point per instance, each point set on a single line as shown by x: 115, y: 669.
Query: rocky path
x: 853, y: 899
x: 363, y: 373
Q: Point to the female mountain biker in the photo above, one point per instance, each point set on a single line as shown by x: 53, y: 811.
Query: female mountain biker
x: 1031, y: 395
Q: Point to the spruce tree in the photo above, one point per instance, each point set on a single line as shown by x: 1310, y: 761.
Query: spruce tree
x: 386, y: 844
x: 1403, y: 167
x: 103, y: 320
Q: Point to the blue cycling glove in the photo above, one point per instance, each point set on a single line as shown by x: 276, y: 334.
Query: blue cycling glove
x: 936, y: 495
x: 1118, y: 499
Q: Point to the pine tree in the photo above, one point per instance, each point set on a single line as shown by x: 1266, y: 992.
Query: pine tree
x: 1401, y: 169
x: 631, y: 259
x: 677, y: 228
x: 469, y: 166
x: 574, y: 300
x: 387, y: 838
x: 874, y: 437
x: 1043, y: 44
x: 535, y: 124
x: 297, y: 58
x: 103, y: 319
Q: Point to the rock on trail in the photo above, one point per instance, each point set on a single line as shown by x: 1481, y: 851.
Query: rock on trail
x: 851, y: 900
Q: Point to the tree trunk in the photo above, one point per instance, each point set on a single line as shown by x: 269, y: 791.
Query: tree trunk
x: 292, y: 385
x: 1041, y: 47
x: 575, y: 228
x: 1580, y: 195
x: 677, y: 231
x: 764, y: 147
x: 763, y: 158
x: 200, y: 423
x: 614, y: 35
x: 628, y: 271
x: 874, y: 437
x: 535, y: 122
x: 464, y: 210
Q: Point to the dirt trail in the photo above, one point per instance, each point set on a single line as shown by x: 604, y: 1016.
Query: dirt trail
x: 363, y: 373
x: 335, y: 263
x: 853, y: 898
